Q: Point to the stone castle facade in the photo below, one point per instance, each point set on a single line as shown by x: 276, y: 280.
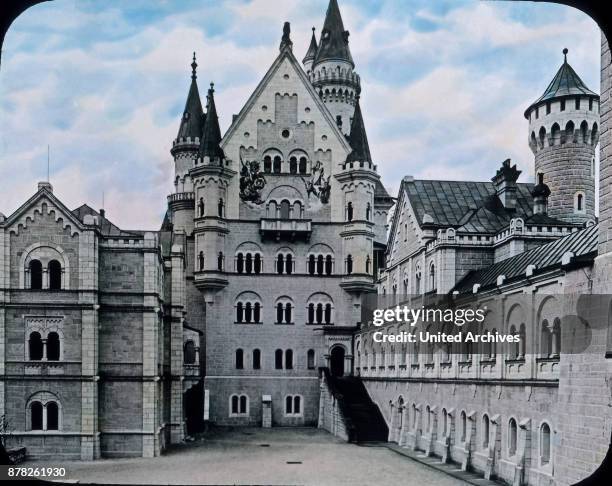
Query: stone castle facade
x: 246, y: 303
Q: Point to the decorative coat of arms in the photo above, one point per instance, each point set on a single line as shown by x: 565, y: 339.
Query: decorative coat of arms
x: 318, y: 185
x: 252, y: 182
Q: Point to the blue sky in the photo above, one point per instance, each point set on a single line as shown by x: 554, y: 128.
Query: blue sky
x: 103, y: 82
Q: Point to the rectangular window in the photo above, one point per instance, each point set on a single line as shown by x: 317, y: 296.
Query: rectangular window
x: 537, y: 113
x: 548, y: 108
x: 577, y: 103
x: 590, y: 104
x: 562, y: 105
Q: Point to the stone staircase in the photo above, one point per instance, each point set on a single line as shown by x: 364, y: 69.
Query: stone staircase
x: 366, y: 422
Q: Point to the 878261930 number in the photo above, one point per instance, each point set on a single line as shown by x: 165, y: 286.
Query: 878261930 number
x: 36, y: 472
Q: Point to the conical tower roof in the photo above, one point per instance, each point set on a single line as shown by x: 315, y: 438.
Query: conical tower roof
x: 211, y: 136
x: 192, y: 122
x: 565, y: 83
x: 312, y: 48
x: 334, y: 39
x: 358, y: 138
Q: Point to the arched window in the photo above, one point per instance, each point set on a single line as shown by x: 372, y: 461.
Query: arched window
x: 257, y: 263
x: 52, y: 416
x: 35, y: 345
x: 36, y: 272
x: 569, y: 132
x: 594, y: 134
x: 239, y: 405
x: 329, y: 265
x: 311, y: 313
x: 239, y: 312
x: 432, y: 276
x: 368, y: 211
x: 544, y: 444
x: 311, y: 265
x: 278, y: 359
x: 267, y: 164
x: 303, y: 165
x: 201, y: 261
x: 444, y: 422
x: 584, y: 131
x: 189, y: 355
x: 240, y: 263
x: 53, y: 346
x: 277, y: 164
x: 248, y: 312
x: 555, y: 133
x: 349, y: 264
x: 579, y: 202
x: 221, y: 208
x: 512, y: 437
x: 328, y: 313
x: 319, y: 313
x: 257, y: 313
x: 279, y: 313
x: 542, y: 136
x: 36, y: 416
x: 220, y: 261
x: 349, y: 211
x: 201, y: 207
x: 288, y: 316
x: 417, y: 280
x: 293, y: 165
x: 368, y: 264
x: 485, y: 431
x: 289, y: 359
x: 310, y: 359
x: 55, y: 275
x: 285, y: 209
x: 249, y: 263
x: 289, y: 265
x: 293, y: 405
x: 239, y: 359
x: 280, y: 264
x: 256, y: 359
x: 463, y: 426
x: 320, y: 265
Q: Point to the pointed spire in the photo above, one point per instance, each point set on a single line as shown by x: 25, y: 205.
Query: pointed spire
x: 565, y: 83
x: 312, y: 49
x: 193, y: 115
x: 334, y: 39
x: 211, y: 136
x: 358, y: 138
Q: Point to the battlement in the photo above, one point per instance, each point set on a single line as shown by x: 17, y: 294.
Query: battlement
x: 344, y: 77
x: 150, y: 241
x: 359, y: 165
x: 215, y: 162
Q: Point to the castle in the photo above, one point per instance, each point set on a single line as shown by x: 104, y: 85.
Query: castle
x: 245, y: 307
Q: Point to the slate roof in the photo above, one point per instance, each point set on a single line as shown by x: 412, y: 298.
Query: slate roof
x: 466, y: 205
x: 583, y: 244
x: 358, y: 139
x: 211, y: 136
x: 106, y: 227
x: 192, y: 122
x: 312, y: 48
x: 333, y: 44
x: 565, y: 83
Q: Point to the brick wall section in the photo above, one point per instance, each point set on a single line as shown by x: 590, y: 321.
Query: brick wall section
x: 605, y: 140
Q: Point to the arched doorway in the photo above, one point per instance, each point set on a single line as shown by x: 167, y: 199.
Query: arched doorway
x: 337, y: 361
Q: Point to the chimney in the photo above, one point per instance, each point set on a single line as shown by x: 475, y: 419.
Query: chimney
x: 103, y: 213
x: 505, y: 184
x: 540, y: 195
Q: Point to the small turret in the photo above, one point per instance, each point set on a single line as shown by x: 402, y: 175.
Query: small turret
x: 211, y: 135
x: 563, y: 134
x: 358, y: 138
x: 331, y: 70
x: 311, y: 53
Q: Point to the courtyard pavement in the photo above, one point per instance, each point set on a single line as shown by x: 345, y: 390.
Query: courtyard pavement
x: 265, y: 456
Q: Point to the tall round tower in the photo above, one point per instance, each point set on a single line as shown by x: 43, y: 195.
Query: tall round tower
x: 563, y: 134
x: 184, y: 151
x: 331, y: 69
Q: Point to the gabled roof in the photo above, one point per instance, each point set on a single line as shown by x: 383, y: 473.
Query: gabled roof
x: 334, y: 39
x: 583, y: 245
x: 312, y: 48
x: 104, y: 225
x: 192, y: 122
x: 565, y: 83
x: 43, y: 192
x: 469, y: 205
x: 286, y: 54
x: 211, y: 136
x: 358, y: 139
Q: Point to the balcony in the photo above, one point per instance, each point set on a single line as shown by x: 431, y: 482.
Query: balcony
x: 285, y: 229
x: 358, y: 282
x: 210, y: 280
